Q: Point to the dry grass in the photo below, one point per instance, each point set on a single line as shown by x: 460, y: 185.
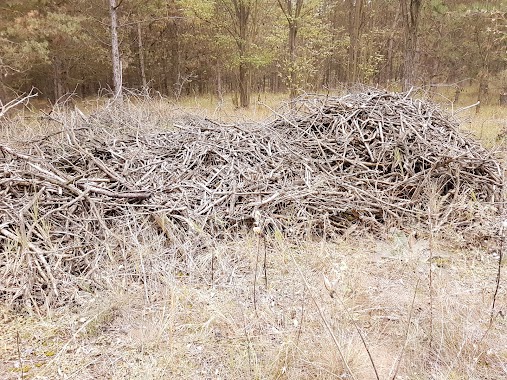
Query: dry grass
x: 224, y: 110
x: 485, y: 121
x: 486, y: 124
x: 165, y: 319
x: 161, y: 316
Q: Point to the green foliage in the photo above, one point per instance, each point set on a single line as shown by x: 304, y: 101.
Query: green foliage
x: 439, y: 7
x: 314, y: 44
x: 38, y: 36
x: 202, y: 10
x: 43, y: 42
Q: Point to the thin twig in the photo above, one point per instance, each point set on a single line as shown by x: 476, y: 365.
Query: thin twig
x: 4, y: 108
x: 18, y: 345
x: 255, y: 274
x: 499, y: 271
x: 405, y: 340
x: 324, y: 320
x: 430, y: 275
x: 265, y: 265
x: 363, y: 340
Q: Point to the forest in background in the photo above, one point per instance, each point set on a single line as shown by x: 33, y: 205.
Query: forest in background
x: 240, y: 47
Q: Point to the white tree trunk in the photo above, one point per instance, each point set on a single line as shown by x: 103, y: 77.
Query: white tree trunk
x: 141, y: 55
x: 115, y: 50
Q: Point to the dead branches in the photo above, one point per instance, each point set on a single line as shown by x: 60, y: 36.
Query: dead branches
x: 22, y: 99
x: 370, y: 158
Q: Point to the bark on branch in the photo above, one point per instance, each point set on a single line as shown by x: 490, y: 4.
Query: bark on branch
x: 22, y: 99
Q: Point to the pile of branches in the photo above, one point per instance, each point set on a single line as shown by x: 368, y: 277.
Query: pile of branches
x: 371, y: 159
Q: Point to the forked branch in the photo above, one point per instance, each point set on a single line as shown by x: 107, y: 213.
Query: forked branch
x: 22, y: 99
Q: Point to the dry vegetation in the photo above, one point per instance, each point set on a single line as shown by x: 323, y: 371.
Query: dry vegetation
x: 163, y: 319
x: 252, y: 307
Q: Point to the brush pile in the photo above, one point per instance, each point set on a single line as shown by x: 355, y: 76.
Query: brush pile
x: 371, y: 159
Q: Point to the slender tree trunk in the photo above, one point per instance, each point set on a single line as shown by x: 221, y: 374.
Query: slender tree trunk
x: 57, y: 78
x: 219, y: 89
x: 242, y: 11
x: 292, y: 11
x: 141, y: 55
x: 409, y: 57
x: 115, y: 51
x: 410, y: 11
x: 167, y: 81
x: 355, y: 29
x: 178, y: 60
x: 294, y: 14
x: 483, y: 87
x: 389, y: 63
x: 293, y: 30
x: 389, y: 72
x: 244, y: 93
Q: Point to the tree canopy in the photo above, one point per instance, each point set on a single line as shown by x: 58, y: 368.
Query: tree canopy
x: 181, y: 47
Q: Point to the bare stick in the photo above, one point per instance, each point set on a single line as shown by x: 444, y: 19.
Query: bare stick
x: 302, y: 317
x: 431, y: 278
x: 431, y: 299
x: 324, y: 320
x: 212, y: 267
x: 400, y: 356
x: 265, y: 261
x: 498, y: 273
x: 249, y: 344
x: 112, y: 194
x: 467, y: 107
x: 4, y: 108
x: 18, y: 345
x: 255, y: 274
x: 363, y: 340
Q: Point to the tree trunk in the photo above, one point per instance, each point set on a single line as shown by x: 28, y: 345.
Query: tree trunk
x: 242, y: 11
x: 167, y: 79
x: 410, y: 12
x: 115, y: 52
x: 389, y: 72
x: 355, y: 29
x: 293, y: 30
x: 178, y: 68
x: 57, y: 78
x: 292, y: 11
x: 141, y: 55
x: 244, y: 93
x: 219, y: 89
x: 409, y: 56
x: 483, y: 88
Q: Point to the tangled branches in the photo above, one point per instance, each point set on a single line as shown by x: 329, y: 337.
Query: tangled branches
x: 370, y: 159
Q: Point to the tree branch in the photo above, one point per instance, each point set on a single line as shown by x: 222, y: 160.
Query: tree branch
x: 15, y: 102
